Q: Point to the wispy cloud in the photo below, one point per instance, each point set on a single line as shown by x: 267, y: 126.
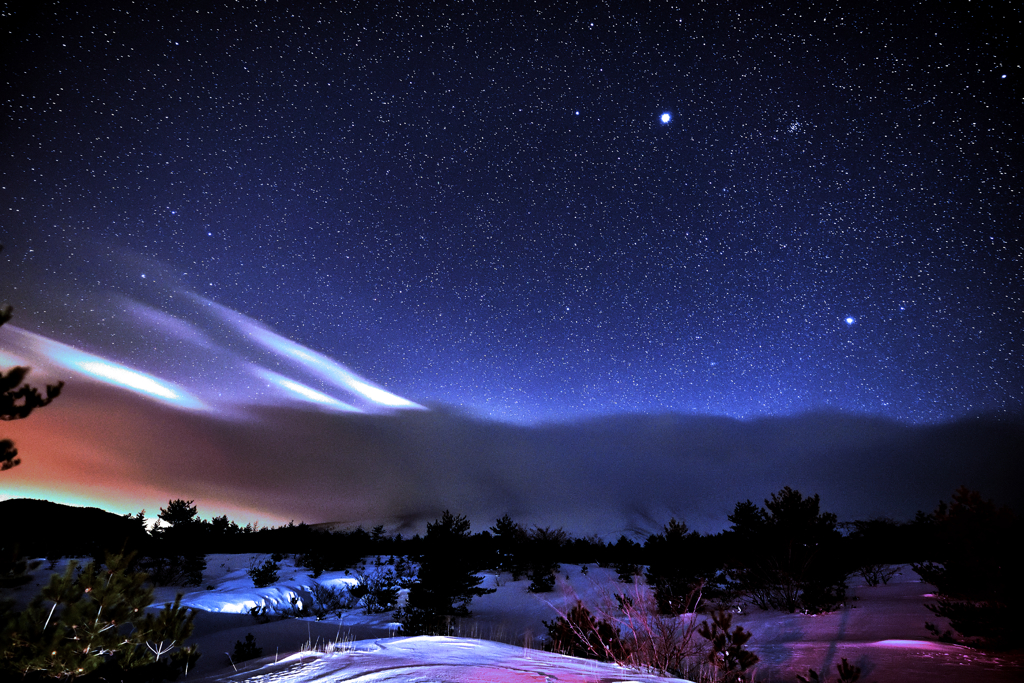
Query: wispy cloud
x: 220, y: 361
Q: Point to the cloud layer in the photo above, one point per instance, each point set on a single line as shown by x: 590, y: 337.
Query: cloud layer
x: 621, y: 475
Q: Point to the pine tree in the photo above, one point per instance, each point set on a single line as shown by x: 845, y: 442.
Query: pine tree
x: 180, y: 514
x: 626, y: 553
x: 18, y: 400
x: 93, y: 619
x: 178, y: 557
x: 447, y: 579
x: 672, y: 568
x: 545, y: 544
x: 727, y: 652
x: 510, y: 540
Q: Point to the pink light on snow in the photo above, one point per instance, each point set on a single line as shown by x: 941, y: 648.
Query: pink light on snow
x: 912, y: 644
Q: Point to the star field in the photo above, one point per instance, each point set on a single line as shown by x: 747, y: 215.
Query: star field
x: 547, y: 212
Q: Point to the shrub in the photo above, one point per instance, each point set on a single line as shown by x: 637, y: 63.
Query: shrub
x: 261, y: 614
x: 875, y: 574
x: 421, y: 621
x: 656, y: 641
x: 297, y: 609
x: 847, y: 674
x: 14, y: 569
x: 328, y: 600
x: 316, y: 561
x: 378, y: 593
x: 578, y: 633
x: 823, y: 591
x: 633, y: 633
x: 247, y: 650
x: 265, y: 574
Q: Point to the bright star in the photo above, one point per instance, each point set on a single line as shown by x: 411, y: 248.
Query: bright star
x: 666, y: 117
x: 850, y: 320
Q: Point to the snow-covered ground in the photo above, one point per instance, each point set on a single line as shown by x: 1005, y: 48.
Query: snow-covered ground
x: 438, y: 659
x: 881, y: 629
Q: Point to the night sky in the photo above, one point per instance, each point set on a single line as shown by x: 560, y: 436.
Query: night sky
x: 552, y: 213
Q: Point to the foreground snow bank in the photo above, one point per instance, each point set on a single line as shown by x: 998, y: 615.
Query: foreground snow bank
x: 436, y: 658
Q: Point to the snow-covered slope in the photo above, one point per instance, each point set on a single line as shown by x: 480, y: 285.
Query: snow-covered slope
x: 880, y: 629
x: 435, y: 659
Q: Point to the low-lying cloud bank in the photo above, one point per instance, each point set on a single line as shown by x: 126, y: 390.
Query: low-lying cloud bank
x: 626, y: 474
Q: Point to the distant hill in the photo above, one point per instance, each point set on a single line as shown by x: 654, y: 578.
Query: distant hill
x: 40, y: 527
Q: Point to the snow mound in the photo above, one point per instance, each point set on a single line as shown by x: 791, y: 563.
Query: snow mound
x: 912, y: 644
x: 235, y: 593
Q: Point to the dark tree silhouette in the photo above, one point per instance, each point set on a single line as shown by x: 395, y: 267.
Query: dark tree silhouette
x: 510, y: 540
x: 545, y: 546
x: 786, y: 555
x: 17, y: 399
x: 673, y: 568
x: 178, y: 553
x: 976, y: 572
x: 447, y: 579
x: 179, y: 513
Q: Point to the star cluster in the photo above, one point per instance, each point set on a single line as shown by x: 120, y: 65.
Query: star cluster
x: 539, y: 212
